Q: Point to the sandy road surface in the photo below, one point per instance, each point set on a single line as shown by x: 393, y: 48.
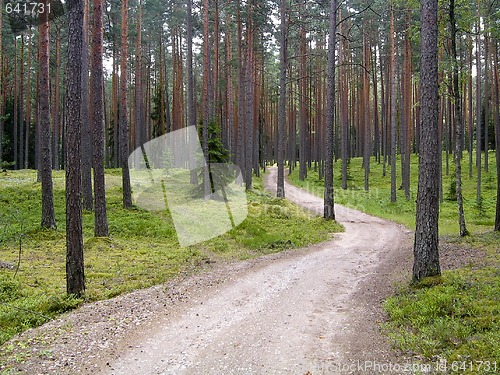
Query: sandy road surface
x: 296, y: 314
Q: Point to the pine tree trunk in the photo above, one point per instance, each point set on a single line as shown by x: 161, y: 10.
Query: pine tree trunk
x: 97, y: 118
x: 75, y: 271
x: 55, y: 136
x: 124, y: 128
x: 48, y: 215
x: 88, y: 201
x: 2, y: 95
x: 302, y: 93
x: 16, y: 109
x: 329, y: 211
x: 392, y: 78
x: 280, y: 188
x: 496, y: 106
x: 28, y: 104
x: 426, y: 253
x: 458, y: 122
x: 21, y: 106
x: 478, y: 110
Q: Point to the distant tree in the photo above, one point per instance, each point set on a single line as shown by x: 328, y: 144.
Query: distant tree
x: 458, y: 121
x: 88, y: 201
x: 124, y: 129
x: 48, y: 214
x: 392, y: 79
x: 496, y: 116
x: 280, y: 188
x: 329, y: 212
x: 97, y: 118
x: 426, y: 252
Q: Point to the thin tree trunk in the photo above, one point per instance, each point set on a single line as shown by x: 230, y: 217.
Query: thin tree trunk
x: 55, y: 136
x: 496, y: 94
x: 2, y: 95
x: 97, y: 118
x: 458, y: 123
x: 478, y: 110
x: 28, y: 103
x: 329, y: 211
x: 124, y: 129
x: 48, y: 214
x: 392, y: 78
x: 426, y: 253
x: 280, y: 188
x: 88, y: 201
x: 16, y: 110
x: 21, y: 106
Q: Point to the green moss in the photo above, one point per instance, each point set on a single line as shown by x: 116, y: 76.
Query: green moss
x: 142, y: 249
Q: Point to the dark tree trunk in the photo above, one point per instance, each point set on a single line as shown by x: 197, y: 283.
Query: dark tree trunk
x: 392, y: 79
x: 97, y: 117
x: 88, y: 201
x: 478, y: 111
x: 280, y: 188
x: 124, y: 129
x: 48, y: 215
x: 426, y: 252
x: 496, y: 115
x: 75, y: 273
x: 329, y: 211
x: 458, y: 122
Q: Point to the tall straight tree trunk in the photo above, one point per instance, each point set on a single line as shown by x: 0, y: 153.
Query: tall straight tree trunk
x: 302, y: 93
x: 75, y: 272
x: 329, y: 211
x: 2, y: 96
x: 425, y: 250
x: 392, y: 78
x: 48, y: 215
x: 139, y: 125
x: 55, y: 117
x: 124, y: 129
x: 21, y: 106
x: 366, y: 111
x: 97, y: 118
x: 486, y: 98
x: 470, y: 107
x: 240, y: 149
x: 478, y: 108
x: 191, y: 110
x: 16, y: 109
x: 280, y: 188
x: 206, y: 94
x: 407, y: 101
x: 88, y: 201
x: 28, y: 103
x: 458, y: 122
x: 249, y: 99
x: 496, y: 116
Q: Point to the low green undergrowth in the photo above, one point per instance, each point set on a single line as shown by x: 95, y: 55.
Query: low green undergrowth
x: 376, y: 201
x: 142, y: 249
x: 454, y: 319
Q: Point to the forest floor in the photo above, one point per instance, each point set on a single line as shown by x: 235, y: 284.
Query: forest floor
x: 316, y: 310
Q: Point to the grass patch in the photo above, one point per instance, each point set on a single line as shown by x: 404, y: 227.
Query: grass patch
x: 456, y: 318
x: 376, y: 201
x: 142, y: 249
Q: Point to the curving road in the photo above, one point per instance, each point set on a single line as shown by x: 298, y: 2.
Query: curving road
x: 303, y: 312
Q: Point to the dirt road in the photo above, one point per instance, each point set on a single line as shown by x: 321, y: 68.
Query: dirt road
x: 290, y: 316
